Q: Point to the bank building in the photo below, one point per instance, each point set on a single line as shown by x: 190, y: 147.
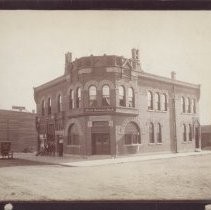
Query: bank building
x: 108, y: 105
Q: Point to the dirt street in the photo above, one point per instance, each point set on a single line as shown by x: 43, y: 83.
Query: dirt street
x: 175, y: 178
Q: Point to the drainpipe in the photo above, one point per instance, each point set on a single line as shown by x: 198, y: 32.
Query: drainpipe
x: 173, y: 77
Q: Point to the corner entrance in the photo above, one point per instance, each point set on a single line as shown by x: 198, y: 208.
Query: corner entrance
x: 100, y: 144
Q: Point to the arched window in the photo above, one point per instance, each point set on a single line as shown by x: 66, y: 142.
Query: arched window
x: 157, y: 101
x: 92, y: 96
x: 159, y: 133
x: 194, y: 105
x: 184, y: 133
x: 183, y: 104
x: 49, y: 105
x: 73, y: 137
x: 164, y: 102
x: 190, y: 132
x: 122, y: 96
x: 78, y: 98
x: 43, y: 107
x: 106, y: 96
x: 71, y: 99
x: 150, y: 100
x: 189, y: 105
x: 151, y: 133
x: 132, y: 134
x: 59, y: 103
x: 131, y: 101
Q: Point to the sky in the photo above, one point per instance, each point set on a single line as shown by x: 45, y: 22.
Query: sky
x: 33, y: 44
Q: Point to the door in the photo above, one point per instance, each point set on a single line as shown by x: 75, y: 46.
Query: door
x: 100, y: 144
x: 197, y: 137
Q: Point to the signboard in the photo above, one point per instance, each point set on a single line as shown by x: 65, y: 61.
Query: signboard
x: 101, y: 109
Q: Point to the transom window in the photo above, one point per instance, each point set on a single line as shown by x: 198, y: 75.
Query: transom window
x: 122, y: 96
x: 92, y: 96
x: 131, y: 98
x: 106, y: 96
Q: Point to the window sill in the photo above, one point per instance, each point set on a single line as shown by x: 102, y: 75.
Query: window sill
x: 160, y: 143
x: 151, y: 143
x: 157, y: 111
x: 187, y: 113
x: 129, y: 145
x: 73, y: 145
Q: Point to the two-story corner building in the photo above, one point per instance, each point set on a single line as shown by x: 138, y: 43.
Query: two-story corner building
x: 109, y: 105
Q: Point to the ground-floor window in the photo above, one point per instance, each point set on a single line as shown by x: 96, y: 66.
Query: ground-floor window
x: 132, y: 134
x: 73, y: 137
x: 151, y: 133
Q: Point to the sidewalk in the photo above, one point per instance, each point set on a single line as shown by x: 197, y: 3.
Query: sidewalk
x: 77, y: 161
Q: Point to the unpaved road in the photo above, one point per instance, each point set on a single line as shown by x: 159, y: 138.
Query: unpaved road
x: 175, y: 178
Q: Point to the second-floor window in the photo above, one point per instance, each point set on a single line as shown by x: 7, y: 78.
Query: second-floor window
x: 150, y: 100
x: 49, y: 105
x: 78, y: 98
x: 131, y: 101
x: 92, y: 96
x: 194, y: 105
x: 71, y: 99
x: 157, y: 101
x: 59, y: 103
x: 122, y: 96
x: 183, y: 104
x: 106, y: 96
x: 189, y: 105
x: 43, y: 107
x: 164, y: 102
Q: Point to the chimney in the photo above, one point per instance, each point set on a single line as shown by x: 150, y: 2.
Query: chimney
x: 135, y: 54
x: 68, y: 61
x: 173, y: 75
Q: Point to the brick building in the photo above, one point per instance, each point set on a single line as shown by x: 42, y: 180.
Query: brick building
x: 18, y: 128
x: 109, y: 105
x: 205, y: 136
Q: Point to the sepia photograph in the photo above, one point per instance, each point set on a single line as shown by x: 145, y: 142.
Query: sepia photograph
x: 105, y: 106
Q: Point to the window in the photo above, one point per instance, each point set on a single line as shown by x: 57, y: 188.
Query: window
x: 150, y: 100
x: 122, y: 96
x: 49, y: 105
x: 73, y: 137
x: 151, y: 133
x: 132, y: 134
x: 190, y: 132
x: 78, y: 98
x: 189, y: 105
x: 71, y: 99
x: 194, y: 105
x: 43, y: 107
x: 157, y: 101
x: 131, y: 97
x: 184, y: 133
x: 106, y: 95
x: 59, y: 103
x: 183, y: 104
x: 159, y: 133
x: 164, y: 102
x: 92, y: 96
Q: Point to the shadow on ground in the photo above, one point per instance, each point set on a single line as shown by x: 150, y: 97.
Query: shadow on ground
x: 19, y: 162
